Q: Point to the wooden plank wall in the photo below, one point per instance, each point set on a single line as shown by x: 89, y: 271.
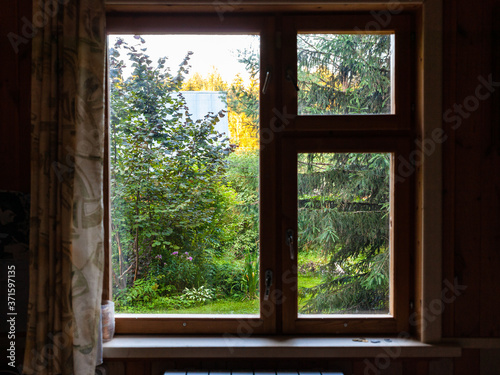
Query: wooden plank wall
x: 472, y: 167
x: 471, y: 185
x: 472, y: 362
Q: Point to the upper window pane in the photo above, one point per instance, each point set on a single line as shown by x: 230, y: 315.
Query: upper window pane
x: 184, y: 168
x: 341, y: 74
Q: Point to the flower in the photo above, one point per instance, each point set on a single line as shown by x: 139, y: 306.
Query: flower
x: 175, y: 253
x: 158, y: 256
x: 190, y: 258
x: 186, y: 253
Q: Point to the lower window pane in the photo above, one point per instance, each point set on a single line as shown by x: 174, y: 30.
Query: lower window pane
x: 343, y: 233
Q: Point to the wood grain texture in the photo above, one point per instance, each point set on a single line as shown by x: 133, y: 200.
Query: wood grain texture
x: 489, y: 361
x: 468, y: 174
x: 115, y: 367
x: 443, y: 366
x: 449, y: 98
x: 484, y: 362
x: 138, y: 368
x: 228, y: 6
x: 468, y: 364
x: 471, y: 163
x: 416, y: 367
x: 490, y: 186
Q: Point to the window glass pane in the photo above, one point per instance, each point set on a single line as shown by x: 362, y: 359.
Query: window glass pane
x: 340, y: 74
x: 185, y: 173
x: 343, y: 233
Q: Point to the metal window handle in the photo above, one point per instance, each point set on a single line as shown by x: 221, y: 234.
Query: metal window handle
x: 269, y: 282
x: 289, y: 242
x: 289, y: 77
x: 266, y: 81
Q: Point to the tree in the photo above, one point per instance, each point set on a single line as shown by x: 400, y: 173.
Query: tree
x: 344, y: 73
x: 212, y: 82
x: 343, y: 214
x: 343, y: 198
x: 166, y: 170
x: 243, y: 103
x: 243, y: 113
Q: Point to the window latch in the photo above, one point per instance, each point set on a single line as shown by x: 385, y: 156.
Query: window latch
x: 266, y: 81
x: 269, y: 282
x: 289, y: 242
x: 289, y: 77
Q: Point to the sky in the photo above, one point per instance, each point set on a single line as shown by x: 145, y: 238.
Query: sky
x: 208, y: 51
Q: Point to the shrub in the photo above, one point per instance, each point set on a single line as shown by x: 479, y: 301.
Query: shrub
x: 199, y: 295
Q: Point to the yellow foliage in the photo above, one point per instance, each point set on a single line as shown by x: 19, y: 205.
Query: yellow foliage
x: 243, y: 133
x: 195, y: 83
x: 212, y: 82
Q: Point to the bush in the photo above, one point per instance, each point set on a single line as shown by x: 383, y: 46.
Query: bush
x: 199, y: 295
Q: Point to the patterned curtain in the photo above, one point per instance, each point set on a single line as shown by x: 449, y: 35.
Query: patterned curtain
x: 66, y: 230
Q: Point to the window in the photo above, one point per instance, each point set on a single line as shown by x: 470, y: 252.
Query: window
x: 327, y: 118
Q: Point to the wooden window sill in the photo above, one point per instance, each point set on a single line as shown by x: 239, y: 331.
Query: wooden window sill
x: 271, y: 347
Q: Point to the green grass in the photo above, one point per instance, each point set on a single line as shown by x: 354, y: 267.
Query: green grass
x: 224, y: 307
x: 227, y: 306
x: 306, y: 281
x: 235, y: 306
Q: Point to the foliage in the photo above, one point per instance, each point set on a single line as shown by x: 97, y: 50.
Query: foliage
x: 213, y: 82
x: 343, y: 73
x: 343, y: 214
x: 198, y: 295
x: 186, y: 209
x: 251, y: 275
x: 144, y: 290
x: 166, y: 172
x: 243, y: 113
x: 242, y: 104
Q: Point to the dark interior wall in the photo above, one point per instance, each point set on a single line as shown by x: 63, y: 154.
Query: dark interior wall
x: 15, y: 98
x: 15, y: 72
x: 471, y: 163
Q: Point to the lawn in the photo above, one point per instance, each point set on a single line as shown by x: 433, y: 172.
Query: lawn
x: 226, y: 306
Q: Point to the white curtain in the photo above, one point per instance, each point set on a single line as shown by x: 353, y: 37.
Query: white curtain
x: 66, y: 232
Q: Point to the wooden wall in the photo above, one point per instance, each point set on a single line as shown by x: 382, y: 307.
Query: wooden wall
x: 348, y: 367
x: 472, y: 362
x: 471, y: 164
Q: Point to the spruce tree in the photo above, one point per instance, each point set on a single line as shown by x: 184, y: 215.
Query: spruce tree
x: 343, y: 214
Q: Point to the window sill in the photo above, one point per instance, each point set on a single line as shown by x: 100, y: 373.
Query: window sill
x: 270, y: 347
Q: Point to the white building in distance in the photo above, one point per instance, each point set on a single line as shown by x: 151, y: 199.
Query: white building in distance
x: 200, y: 103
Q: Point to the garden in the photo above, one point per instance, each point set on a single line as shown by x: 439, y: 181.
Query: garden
x: 185, y: 198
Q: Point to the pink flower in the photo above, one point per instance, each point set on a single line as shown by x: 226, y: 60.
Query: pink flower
x: 175, y: 253
x: 190, y: 258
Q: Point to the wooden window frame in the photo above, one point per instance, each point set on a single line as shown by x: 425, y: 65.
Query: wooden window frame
x: 354, y: 133
x: 401, y: 244
x: 239, y: 324
x: 124, y: 16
